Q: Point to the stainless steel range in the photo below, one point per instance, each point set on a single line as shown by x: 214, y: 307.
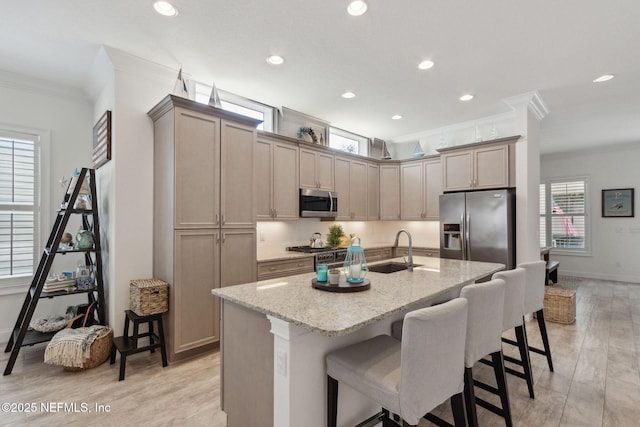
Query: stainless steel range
x: 333, y: 257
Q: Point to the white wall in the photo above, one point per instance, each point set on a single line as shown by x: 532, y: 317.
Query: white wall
x: 615, y: 242
x: 64, y: 114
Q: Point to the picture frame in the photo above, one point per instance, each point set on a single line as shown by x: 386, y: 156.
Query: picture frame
x: 618, y: 203
x: 102, y: 140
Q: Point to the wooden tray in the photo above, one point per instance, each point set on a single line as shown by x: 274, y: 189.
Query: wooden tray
x: 342, y: 286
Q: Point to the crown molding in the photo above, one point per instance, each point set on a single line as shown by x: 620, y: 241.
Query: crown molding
x: 532, y: 100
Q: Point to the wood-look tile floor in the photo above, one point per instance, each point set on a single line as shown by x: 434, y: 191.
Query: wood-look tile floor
x: 596, y: 380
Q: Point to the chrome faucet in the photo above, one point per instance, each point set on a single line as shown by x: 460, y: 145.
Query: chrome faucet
x: 410, y: 261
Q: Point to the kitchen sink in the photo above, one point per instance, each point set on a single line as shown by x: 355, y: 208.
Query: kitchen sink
x: 389, y: 267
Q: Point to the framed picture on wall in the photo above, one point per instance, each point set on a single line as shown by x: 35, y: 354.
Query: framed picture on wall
x: 102, y: 140
x: 617, y: 202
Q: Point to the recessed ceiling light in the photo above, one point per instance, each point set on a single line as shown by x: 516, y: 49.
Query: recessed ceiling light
x: 357, y: 8
x: 425, y: 65
x: 466, y: 97
x: 165, y: 8
x: 396, y: 117
x: 348, y: 95
x: 275, y: 60
x: 603, y: 78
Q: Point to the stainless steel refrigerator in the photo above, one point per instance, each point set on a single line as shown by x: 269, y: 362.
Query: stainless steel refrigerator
x: 479, y: 226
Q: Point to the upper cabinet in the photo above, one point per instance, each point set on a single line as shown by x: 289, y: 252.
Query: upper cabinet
x: 351, y: 186
x: 479, y: 166
x: 316, y: 169
x: 390, y: 192
x: 373, y: 191
x: 421, y: 184
x: 276, y: 179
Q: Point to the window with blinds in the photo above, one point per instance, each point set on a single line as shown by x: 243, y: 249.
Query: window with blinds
x: 17, y: 195
x: 563, y: 214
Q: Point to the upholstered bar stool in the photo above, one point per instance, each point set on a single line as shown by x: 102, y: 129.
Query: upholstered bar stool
x: 514, y: 291
x: 534, y: 303
x: 484, y: 330
x: 411, y: 377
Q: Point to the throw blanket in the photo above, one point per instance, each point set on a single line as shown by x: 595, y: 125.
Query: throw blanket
x: 71, y: 347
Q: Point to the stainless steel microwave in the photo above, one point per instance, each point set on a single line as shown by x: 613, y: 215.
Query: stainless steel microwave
x: 318, y: 203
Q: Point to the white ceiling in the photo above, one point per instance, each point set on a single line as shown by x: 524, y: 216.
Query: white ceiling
x: 494, y: 49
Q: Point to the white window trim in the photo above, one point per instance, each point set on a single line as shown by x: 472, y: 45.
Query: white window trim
x: 363, y: 141
x: 269, y: 112
x: 587, y: 215
x: 42, y: 202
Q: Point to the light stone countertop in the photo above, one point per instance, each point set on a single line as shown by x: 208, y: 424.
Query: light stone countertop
x: 292, y: 298
x: 283, y: 254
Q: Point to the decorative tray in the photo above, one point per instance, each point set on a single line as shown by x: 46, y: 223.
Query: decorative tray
x: 342, y: 286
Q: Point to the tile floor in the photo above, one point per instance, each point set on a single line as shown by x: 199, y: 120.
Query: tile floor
x: 596, y: 380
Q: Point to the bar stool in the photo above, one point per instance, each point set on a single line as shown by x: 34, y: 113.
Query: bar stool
x: 534, y: 303
x: 127, y: 345
x: 411, y: 377
x: 514, y: 291
x: 484, y: 330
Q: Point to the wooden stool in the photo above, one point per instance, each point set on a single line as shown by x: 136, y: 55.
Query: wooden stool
x: 127, y: 345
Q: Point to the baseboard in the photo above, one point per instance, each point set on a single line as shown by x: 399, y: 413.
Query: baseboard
x: 599, y: 276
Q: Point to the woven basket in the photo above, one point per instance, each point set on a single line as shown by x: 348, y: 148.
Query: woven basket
x: 100, y: 351
x: 559, y: 304
x: 148, y: 296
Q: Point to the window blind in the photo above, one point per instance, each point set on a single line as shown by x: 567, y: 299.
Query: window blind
x: 17, y: 195
x: 568, y: 210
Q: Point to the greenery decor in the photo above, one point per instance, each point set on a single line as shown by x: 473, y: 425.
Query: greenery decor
x: 335, y: 233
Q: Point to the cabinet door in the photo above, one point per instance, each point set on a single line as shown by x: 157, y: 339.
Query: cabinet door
x: 411, y: 183
x: 195, y: 311
x: 358, y: 190
x: 237, y: 208
x: 308, y: 169
x: 491, y: 167
x: 285, y: 182
x: 197, y: 169
x: 263, y: 180
x: 373, y: 192
x: 390, y: 192
x: 238, y: 257
x: 342, y: 187
x: 433, y: 188
x: 457, y: 170
x: 324, y: 171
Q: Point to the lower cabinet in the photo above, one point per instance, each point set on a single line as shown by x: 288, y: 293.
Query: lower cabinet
x: 282, y: 268
x: 404, y: 251
x: 204, y: 260
x: 378, y: 254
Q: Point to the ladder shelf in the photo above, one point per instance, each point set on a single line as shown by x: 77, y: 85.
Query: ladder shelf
x: 22, y: 335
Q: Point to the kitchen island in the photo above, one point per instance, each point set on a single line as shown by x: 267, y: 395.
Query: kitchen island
x: 276, y: 333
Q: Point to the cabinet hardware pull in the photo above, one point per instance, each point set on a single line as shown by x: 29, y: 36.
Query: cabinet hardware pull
x: 217, y: 218
x: 275, y: 213
x: 272, y: 268
x: 224, y: 237
x: 223, y: 221
x: 217, y: 237
x: 300, y: 265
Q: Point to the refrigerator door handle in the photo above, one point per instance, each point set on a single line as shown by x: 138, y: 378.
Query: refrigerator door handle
x: 463, y: 241
x: 467, y: 230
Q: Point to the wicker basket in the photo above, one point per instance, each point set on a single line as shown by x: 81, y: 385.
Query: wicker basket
x: 100, y: 351
x: 148, y: 296
x: 559, y: 304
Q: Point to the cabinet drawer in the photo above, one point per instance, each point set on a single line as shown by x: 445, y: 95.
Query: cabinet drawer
x: 381, y: 254
x: 273, y: 269
x: 403, y: 251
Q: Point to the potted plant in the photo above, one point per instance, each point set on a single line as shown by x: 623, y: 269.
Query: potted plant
x: 334, y: 235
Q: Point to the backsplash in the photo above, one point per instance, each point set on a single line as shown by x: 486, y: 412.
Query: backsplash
x: 277, y: 235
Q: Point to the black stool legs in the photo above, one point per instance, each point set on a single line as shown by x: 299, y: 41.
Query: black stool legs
x: 127, y: 345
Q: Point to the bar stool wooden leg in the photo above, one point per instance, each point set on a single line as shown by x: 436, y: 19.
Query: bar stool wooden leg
x: 501, y: 381
x: 470, y: 398
x: 524, y: 357
x: 163, y: 348
x: 545, y: 339
x: 151, y: 341
x: 332, y: 402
